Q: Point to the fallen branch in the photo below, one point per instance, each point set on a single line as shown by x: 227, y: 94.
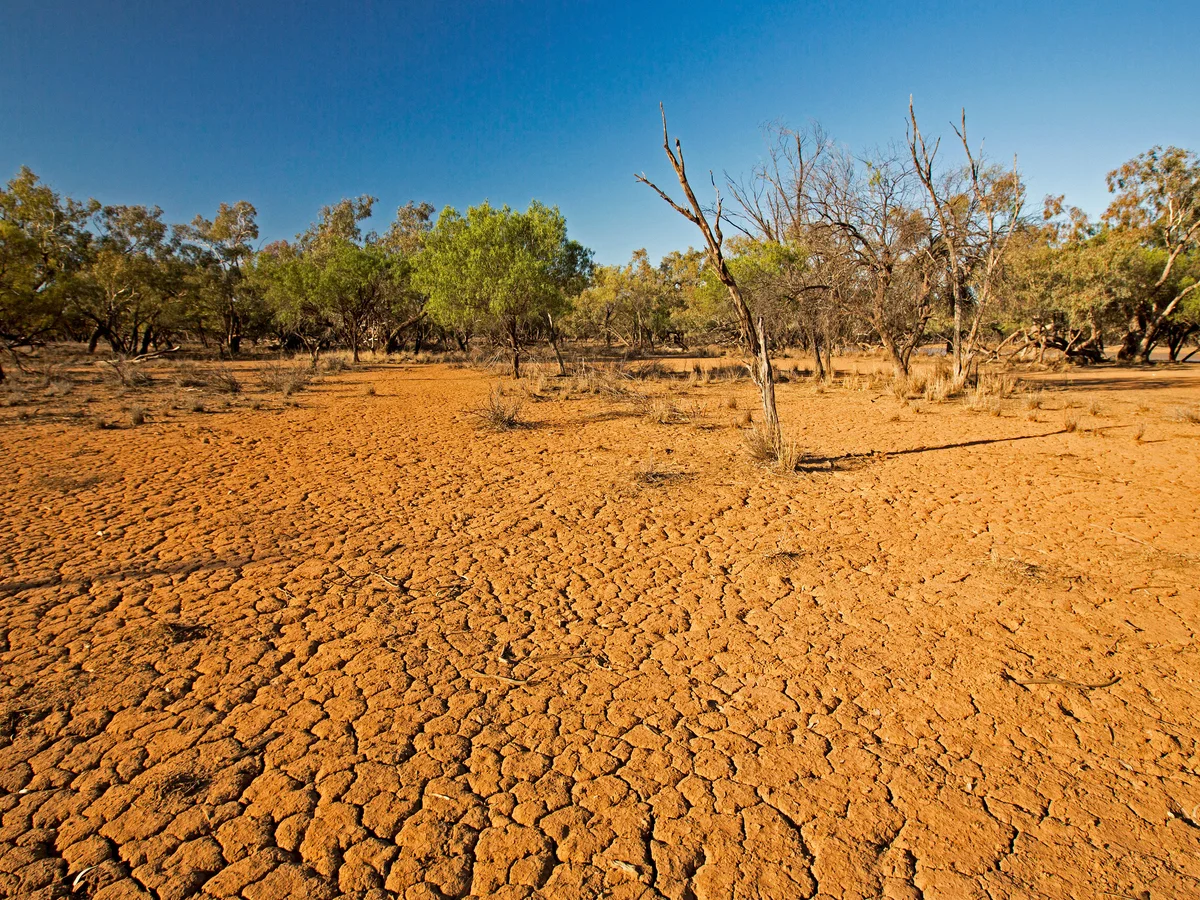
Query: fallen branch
x: 1059, y: 681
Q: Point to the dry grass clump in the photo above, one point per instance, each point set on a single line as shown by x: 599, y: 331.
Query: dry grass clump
x: 1188, y: 414
x: 1035, y: 399
x: 783, y: 454
x: 188, y: 375
x: 335, y: 364
x: 224, y: 381
x: 662, y: 410
x: 997, y: 385
x: 370, y: 391
x: 286, y: 378
x: 731, y: 402
x: 127, y: 375
x: 939, y: 388
x: 500, y: 413
x: 137, y: 415
x: 1070, y: 422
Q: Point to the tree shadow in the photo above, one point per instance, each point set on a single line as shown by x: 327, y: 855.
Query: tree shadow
x: 858, y: 460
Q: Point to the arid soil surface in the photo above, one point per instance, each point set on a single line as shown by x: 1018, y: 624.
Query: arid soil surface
x: 357, y: 646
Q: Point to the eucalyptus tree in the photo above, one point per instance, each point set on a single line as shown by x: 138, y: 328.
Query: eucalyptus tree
x: 219, y: 250
x: 505, y: 269
x: 43, y: 240
x: 1157, y: 197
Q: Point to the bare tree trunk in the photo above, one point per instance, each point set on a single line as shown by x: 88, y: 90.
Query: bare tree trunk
x: 753, y: 334
x: 766, y: 384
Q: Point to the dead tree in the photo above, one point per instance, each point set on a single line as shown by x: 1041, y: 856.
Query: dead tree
x: 753, y: 331
x: 976, y: 211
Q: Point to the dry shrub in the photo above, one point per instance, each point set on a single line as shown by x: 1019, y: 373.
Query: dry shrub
x: 651, y: 371
x: 1070, y: 422
x: 1035, y: 399
x: 1095, y: 409
x: 336, y: 364
x: 648, y: 474
x: 187, y: 375
x: 939, y: 388
x: 370, y: 391
x: 127, y: 375
x: 286, y: 378
x: 783, y: 454
x: 731, y: 403
x: 499, y: 413
x: 997, y: 385
x: 1188, y: 414
x: 137, y: 415
x: 224, y: 381
x: 662, y: 410
x: 196, y: 405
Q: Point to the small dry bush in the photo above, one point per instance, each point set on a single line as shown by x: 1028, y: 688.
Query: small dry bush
x: 286, y: 378
x: 337, y: 364
x: 224, y: 381
x: 783, y: 454
x: 1070, y: 422
x: 1035, y: 399
x: 188, y: 375
x: 731, y: 402
x: 196, y: 405
x: 500, y: 413
x: 662, y: 410
x: 370, y: 391
x: 650, y: 371
x: 127, y: 375
x: 997, y: 385
x: 1188, y: 414
x: 137, y: 415
x: 1095, y: 409
x: 939, y: 388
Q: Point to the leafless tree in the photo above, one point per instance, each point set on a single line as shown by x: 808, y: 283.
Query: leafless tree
x: 753, y: 331
x: 974, y: 211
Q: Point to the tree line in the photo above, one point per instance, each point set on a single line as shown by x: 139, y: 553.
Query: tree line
x: 896, y: 248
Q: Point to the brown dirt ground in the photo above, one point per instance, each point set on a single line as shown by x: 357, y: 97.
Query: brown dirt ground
x: 358, y: 647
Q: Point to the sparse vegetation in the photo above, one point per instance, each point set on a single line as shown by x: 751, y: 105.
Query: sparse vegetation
x: 500, y: 413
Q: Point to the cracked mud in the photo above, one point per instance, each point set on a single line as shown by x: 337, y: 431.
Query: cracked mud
x: 359, y: 648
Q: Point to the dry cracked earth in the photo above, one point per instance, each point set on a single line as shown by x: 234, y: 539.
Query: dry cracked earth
x: 358, y: 647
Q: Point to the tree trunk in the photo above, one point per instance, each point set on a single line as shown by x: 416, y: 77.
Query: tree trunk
x: 766, y: 386
x: 94, y: 340
x: 817, y: 358
x: 515, y: 340
x: 562, y: 366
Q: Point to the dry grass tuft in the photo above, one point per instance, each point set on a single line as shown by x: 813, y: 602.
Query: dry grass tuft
x: 127, y: 375
x: 137, y: 415
x: 499, y: 413
x: 784, y: 455
x: 223, y: 381
x: 1188, y: 414
x: 662, y: 410
x: 286, y: 378
x: 1070, y: 423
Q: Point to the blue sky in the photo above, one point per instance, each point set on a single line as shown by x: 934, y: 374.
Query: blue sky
x: 295, y: 105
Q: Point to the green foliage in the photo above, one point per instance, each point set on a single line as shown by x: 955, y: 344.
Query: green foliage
x: 43, y: 241
x: 501, y: 269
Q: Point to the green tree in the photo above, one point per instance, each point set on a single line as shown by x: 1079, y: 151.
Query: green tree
x: 219, y: 249
x: 506, y: 269
x: 1157, y: 197
x: 43, y: 240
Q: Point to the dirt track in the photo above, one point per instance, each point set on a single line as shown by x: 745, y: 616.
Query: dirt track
x: 359, y: 648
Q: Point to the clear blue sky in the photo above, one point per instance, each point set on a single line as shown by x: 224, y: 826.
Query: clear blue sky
x: 295, y: 105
